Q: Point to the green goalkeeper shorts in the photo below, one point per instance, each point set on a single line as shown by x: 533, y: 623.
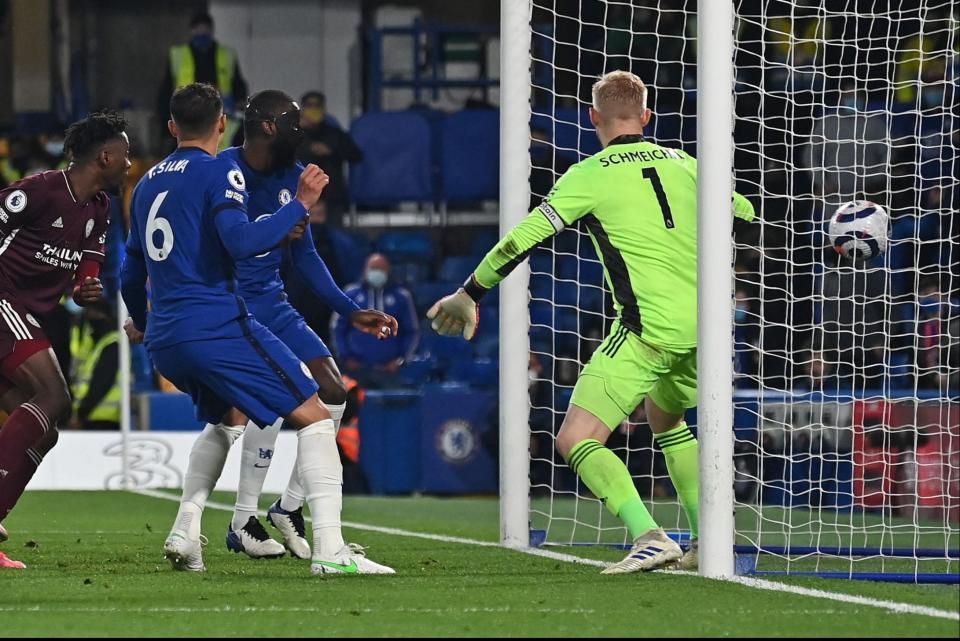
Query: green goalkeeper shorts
x: 625, y: 368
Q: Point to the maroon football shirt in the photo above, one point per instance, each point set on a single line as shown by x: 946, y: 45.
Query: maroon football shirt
x: 44, y: 234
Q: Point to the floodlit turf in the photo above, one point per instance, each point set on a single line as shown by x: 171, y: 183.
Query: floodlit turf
x: 95, y: 569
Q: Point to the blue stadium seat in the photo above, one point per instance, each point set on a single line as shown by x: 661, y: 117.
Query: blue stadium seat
x: 397, y: 160
x: 352, y: 251
x: 456, y: 268
x: 444, y: 349
x: 469, y: 155
x: 570, y: 129
x: 486, y: 346
x: 489, y: 320
x: 483, y: 241
x: 409, y: 272
x: 406, y: 245
x: 418, y: 371
x: 37, y: 122
x: 426, y: 294
x: 541, y: 261
x: 482, y: 372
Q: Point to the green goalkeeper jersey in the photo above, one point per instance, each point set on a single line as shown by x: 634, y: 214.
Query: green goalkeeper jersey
x: 638, y: 202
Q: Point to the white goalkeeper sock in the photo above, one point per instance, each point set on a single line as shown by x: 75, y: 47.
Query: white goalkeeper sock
x: 258, y: 447
x: 293, y: 496
x: 322, y: 477
x: 207, y: 456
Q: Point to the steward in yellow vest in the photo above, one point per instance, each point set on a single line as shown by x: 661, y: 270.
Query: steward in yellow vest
x: 203, y: 59
x: 96, y: 375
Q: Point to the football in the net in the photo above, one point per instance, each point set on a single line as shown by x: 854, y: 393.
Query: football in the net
x: 858, y: 230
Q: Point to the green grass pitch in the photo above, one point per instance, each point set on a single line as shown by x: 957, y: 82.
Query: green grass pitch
x: 96, y: 569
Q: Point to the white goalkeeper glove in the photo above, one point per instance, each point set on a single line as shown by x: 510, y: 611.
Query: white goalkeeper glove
x: 455, y: 313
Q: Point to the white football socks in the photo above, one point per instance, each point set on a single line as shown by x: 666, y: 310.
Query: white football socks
x: 258, y: 447
x: 293, y: 497
x: 207, y: 456
x: 321, y: 475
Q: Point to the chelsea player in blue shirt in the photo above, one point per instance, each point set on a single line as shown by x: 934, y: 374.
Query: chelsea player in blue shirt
x: 188, y: 226
x: 267, y: 159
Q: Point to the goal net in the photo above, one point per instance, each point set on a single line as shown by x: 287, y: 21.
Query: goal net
x: 847, y: 381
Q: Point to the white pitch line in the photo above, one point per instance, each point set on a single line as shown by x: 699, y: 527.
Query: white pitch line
x: 294, y: 609
x: 759, y: 584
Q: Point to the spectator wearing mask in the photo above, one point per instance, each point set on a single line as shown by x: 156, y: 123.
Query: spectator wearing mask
x: 372, y: 362
x: 328, y: 146
x: 203, y: 59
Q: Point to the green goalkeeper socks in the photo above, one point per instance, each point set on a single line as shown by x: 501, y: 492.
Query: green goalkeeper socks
x: 607, y: 477
x: 679, y: 447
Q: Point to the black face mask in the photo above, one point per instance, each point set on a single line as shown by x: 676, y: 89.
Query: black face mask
x: 288, y: 137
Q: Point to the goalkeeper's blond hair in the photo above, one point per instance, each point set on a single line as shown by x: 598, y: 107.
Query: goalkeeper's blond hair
x: 619, y: 95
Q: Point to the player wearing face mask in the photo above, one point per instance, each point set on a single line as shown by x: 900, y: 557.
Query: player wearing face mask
x: 269, y: 167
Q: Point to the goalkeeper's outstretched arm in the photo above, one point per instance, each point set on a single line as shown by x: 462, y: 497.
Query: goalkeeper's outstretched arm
x: 460, y: 311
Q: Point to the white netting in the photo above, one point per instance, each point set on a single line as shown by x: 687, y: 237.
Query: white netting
x: 847, y: 389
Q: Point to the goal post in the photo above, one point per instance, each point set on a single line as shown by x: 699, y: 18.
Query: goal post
x: 715, y: 285
x: 514, y: 315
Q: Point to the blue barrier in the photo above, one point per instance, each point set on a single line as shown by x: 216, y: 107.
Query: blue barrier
x: 455, y: 458
x: 168, y: 411
x: 389, y: 441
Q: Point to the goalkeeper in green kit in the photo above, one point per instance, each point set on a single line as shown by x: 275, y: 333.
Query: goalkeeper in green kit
x: 638, y: 202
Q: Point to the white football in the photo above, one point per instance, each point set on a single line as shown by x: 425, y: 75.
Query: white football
x: 858, y: 230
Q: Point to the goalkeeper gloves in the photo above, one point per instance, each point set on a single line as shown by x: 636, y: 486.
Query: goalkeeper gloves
x: 458, y: 312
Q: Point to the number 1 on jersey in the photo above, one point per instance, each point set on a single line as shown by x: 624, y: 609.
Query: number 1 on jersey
x: 650, y: 173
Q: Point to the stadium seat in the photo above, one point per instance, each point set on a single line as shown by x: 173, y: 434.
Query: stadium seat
x: 352, y: 251
x: 570, y: 128
x: 37, y: 122
x: 489, y: 320
x: 444, y: 349
x: 541, y: 262
x: 417, y: 371
x: 456, y: 269
x: 481, y: 372
x: 426, y: 294
x: 397, y: 162
x: 483, y: 241
x: 486, y: 346
x: 406, y: 245
x: 469, y: 154
x: 408, y: 273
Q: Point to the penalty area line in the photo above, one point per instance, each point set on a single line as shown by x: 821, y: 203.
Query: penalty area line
x: 758, y: 584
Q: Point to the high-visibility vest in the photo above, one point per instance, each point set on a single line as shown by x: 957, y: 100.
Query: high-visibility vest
x: 86, y: 353
x: 184, y: 69
x: 9, y: 173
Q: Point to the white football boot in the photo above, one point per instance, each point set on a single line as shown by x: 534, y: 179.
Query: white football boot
x: 253, y: 540
x: 651, y: 550
x: 291, y: 526
x: 185, y: 554
x: 351, y: 559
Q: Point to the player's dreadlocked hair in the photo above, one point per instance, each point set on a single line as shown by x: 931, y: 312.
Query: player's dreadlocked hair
x: 85, y: 137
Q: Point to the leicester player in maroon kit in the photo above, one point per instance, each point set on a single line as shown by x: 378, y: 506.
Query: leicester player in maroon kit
x: 52, y: 230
